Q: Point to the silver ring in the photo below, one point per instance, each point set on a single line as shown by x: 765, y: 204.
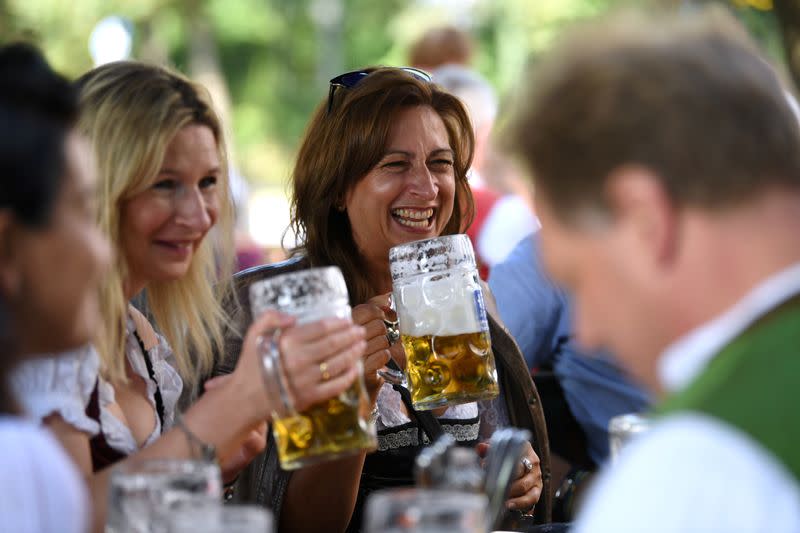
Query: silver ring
x: 392, y: 331
x: 527, y: 464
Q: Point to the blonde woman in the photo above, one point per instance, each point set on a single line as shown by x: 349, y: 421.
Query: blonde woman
x: 162, y: 187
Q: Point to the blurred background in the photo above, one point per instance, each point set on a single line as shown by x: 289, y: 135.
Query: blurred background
x: 268, y: 62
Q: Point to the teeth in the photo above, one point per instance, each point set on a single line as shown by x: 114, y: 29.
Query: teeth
x: 413, y: 224
x: 414, y: 214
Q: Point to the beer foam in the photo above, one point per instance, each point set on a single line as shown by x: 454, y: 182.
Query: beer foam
x: 440, y: 305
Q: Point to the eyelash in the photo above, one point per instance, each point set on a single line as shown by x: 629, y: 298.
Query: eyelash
x: 170, y: 184
x: 438, y: 162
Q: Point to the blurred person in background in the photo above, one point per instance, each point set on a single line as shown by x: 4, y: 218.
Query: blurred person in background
x: 384, y: 162
x: 442, y: 45
x: 581, y: 390
x: 676, y: 230
x: 501, y: 220
x: 162, y: 186
x: 47, y: 222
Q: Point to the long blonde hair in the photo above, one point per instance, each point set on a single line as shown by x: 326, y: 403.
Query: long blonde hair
x: 130, y: 112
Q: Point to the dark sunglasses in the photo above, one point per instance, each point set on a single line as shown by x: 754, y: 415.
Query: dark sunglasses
x: 348, y: 80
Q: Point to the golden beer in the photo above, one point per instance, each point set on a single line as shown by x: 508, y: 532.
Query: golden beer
x: 450, y: 369
x: 338, y: 426
x: 331, y: 429
x: 443, y: 322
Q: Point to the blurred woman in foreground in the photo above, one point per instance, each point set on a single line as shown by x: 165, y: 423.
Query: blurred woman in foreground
x: 46, y: 219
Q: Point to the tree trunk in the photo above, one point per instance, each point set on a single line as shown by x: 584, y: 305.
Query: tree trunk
x: 788, y: 13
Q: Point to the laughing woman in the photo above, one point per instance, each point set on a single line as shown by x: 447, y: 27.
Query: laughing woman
x: 384, y: 162
x: 162, y: 187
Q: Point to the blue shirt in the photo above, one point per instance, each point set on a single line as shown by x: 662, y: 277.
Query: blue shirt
x: 537, y: 312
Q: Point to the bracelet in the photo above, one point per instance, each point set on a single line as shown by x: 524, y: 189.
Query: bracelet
x: 207, y: 451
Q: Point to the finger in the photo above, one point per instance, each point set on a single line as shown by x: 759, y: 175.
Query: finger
x: 299, y: 353
x: 381, y: 300
x: 367, y: 313
x: 524, y: 493
x: 376, y: 344
x: 375, y: 361
x: 216, y: 382
x: 303, y: 376
x: 327, y: 389
x: 398, y: 353
x: 376, y: 329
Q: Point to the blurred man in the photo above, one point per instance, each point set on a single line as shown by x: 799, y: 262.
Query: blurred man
x: 589, y: 389
x: 667, y: 166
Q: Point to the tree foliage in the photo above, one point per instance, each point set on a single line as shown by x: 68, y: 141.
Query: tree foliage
x: 272, y: 58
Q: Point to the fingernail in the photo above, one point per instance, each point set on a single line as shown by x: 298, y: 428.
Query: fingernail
x: 510, y: 505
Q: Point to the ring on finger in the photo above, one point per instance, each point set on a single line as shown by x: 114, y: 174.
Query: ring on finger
x: 323, y: 370
x: 392, y: 331
x: 527, y: 464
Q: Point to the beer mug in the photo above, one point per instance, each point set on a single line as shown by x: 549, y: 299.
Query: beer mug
x: 407, y: 510
x: 336, y: 427
x: 622, y: 429
x: 442, y: 321
x: 143, y: 493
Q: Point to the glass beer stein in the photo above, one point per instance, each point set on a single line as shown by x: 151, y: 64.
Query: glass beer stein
x: 336, y: 427
x: 442, y: 322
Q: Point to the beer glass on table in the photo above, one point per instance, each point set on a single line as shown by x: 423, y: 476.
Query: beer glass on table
x: 442, y: 321
x: 193, y: 518
x: 339, y: 426
x: 425, y: 511
x: 143, y: 493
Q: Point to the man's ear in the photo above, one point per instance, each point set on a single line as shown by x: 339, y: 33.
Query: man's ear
x: 9, y: 273
x: 640, y: 201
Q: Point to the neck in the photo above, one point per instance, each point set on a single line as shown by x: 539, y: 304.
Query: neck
x: 379, y: 276
x: 131, y: 287
x: 726, y: 255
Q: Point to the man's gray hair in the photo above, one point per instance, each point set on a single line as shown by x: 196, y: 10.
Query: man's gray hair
x: 472, y: 89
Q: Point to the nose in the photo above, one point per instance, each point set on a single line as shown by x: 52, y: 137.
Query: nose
x: 423, y: 184
x: 191, y: 210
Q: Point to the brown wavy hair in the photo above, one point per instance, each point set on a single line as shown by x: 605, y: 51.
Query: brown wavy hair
x: 341, y: 147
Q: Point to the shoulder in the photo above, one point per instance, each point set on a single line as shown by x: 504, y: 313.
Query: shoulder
x: 691, y: 472
x: 60, y: 384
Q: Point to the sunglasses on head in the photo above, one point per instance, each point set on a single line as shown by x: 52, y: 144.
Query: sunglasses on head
x: 348, y: 80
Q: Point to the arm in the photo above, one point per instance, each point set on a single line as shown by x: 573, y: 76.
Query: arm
x: 528, y: 302
x: 226, y: 414
x: 336, y: 482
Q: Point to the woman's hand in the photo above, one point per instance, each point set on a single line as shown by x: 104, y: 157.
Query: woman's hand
x: 371, y: 316
x: 253, y: 443
x: 319, y: 361
x: 527, y: 486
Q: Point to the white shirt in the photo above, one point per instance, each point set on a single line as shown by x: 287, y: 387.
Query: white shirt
x: 508, y: 221
x: 691, y: 472
x: 42, y: 491
x: 64, y: 383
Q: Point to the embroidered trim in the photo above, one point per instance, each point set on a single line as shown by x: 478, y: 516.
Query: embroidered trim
x: 410, y: 436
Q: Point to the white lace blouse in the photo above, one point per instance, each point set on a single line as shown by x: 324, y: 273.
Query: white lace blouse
x: 63, y: 384
x: 391, y: 413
